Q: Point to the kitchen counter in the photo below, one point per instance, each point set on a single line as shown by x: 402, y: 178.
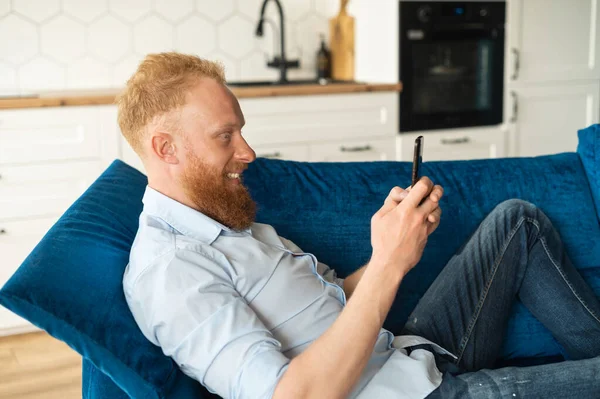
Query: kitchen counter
x: 106, y: 97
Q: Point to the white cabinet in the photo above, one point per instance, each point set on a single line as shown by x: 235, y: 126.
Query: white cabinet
x: 451, y: 145
x: 555, y: 40
x: 48, y: 158
x: 289, y: 152
x: 354, y: 151
x: 545, y: 119
x: 316, y: 118
x: 323, y: 128
x: 552, y: 74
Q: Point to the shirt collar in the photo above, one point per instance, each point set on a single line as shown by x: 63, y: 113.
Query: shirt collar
x: 184, y: 219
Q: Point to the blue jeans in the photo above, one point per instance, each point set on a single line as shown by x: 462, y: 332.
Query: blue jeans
x: 515, y: 253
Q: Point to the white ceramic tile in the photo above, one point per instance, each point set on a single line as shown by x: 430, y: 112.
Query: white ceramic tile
x: 175, y: 10
x: 254, y: 67
x: 295, y: 10
x: 24, y: 39
x: 4, y: 7
x: 86, y: 10
x: 88, y: 73
x: 109, y: 39
x: 152, y: 35
x: 8, y: 79
x: 328, y: 8
x: 308, y: 32
x: 196, y: 35
x: 36, y: 10
x: 62, y: 39
x: 215, y: 10
x: 236, y: 37
x: 251, y: 8
x: 125, y: 68
x: 232, y: 70
x: 131, y: 10
x: 41, y: 74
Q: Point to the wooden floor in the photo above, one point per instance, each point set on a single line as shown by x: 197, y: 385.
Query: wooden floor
x: 35, y: 365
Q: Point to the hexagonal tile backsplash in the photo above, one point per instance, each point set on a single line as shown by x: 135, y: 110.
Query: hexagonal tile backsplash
x: 79, y: 44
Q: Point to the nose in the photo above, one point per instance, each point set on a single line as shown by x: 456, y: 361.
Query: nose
x: 244, y: 152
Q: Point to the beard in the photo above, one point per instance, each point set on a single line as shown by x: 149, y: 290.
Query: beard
x: 216, y: 196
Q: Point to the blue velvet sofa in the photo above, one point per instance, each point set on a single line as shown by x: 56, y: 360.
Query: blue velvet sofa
x: 70, y: 285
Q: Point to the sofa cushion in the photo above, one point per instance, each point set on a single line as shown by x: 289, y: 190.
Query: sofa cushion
x: 70, y: 285
x: 589, y: 151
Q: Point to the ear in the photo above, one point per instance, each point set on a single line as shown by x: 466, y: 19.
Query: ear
x: 163, y: 146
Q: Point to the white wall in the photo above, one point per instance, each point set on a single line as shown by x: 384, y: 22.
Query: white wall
x: 78, y: 44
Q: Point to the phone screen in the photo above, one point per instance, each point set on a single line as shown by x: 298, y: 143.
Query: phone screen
x: 417, y: 160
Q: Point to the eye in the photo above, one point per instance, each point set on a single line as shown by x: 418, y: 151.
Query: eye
x: 226, y: 136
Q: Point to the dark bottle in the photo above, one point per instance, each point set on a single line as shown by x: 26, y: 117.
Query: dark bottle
x: 323, y: 61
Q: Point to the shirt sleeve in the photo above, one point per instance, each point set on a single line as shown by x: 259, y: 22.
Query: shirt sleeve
x: 190, y: 308
x: 325, y: 271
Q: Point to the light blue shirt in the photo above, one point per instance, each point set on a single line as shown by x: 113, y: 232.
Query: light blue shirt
x: 232, y: 308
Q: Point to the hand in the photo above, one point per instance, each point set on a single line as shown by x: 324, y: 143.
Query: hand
x: 399, y: 230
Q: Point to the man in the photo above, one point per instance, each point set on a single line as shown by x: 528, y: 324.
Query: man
x: 249, y: 315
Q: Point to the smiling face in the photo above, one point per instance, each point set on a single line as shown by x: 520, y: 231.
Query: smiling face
x: 216, y: 155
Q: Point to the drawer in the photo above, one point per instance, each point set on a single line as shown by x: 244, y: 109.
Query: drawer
x: 43, y: 190
x: 302, y: 119
x: 451, y: 145
x: 354, y: 151
x: 290, y: 153
x: 52, y: 134
x: 17, y: 240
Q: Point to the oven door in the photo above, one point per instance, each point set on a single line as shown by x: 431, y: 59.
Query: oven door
x: 452, y: 77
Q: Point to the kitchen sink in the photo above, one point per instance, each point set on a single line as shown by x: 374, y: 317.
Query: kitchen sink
x: 288, y: 83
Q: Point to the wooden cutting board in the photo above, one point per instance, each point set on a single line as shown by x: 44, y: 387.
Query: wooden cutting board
x: 341, y: 37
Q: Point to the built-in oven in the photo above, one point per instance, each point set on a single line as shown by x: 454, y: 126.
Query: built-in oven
x: 451, y: 64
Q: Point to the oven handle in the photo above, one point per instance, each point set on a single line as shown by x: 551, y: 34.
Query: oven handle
x: 515, y: 74
x: 515, y: 112
x: 461, y: 140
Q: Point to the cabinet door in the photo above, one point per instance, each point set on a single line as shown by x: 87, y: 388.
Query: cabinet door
x: 291, y: 152
x: 58, y: 134
x: 354, y: 151
x: 17, y: 240
x: 454, y: 145
x: 545, y: 120
x: 552, y: 40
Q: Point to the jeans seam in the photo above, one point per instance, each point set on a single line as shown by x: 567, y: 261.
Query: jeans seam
x: 566, y: 280
x: 475, y: 317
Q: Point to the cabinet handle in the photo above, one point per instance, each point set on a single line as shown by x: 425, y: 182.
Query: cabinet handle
x: 275, y: 154
x: 3, y: 231
x: 515, y: 74
x: 356, y: 149
x: 461, y: 140
x: 515, y: 112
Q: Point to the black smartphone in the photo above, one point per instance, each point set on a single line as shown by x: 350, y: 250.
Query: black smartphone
x: 417, y: 160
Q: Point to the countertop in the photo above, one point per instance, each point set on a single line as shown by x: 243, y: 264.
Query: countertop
x: 107, y: 97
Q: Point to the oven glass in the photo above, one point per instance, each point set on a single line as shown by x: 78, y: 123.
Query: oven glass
x: 452, y: 76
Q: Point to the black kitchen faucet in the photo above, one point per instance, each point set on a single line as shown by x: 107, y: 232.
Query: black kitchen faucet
x: 280, y: 62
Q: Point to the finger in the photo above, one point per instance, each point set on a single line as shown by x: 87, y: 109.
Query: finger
x: 437, y: 193
x: 418, y: 192
x: 435, y: 216
x: 392, y: 200
x: 428, y: 206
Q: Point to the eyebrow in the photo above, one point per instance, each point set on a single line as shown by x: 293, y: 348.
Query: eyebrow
x: 221, y: 128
